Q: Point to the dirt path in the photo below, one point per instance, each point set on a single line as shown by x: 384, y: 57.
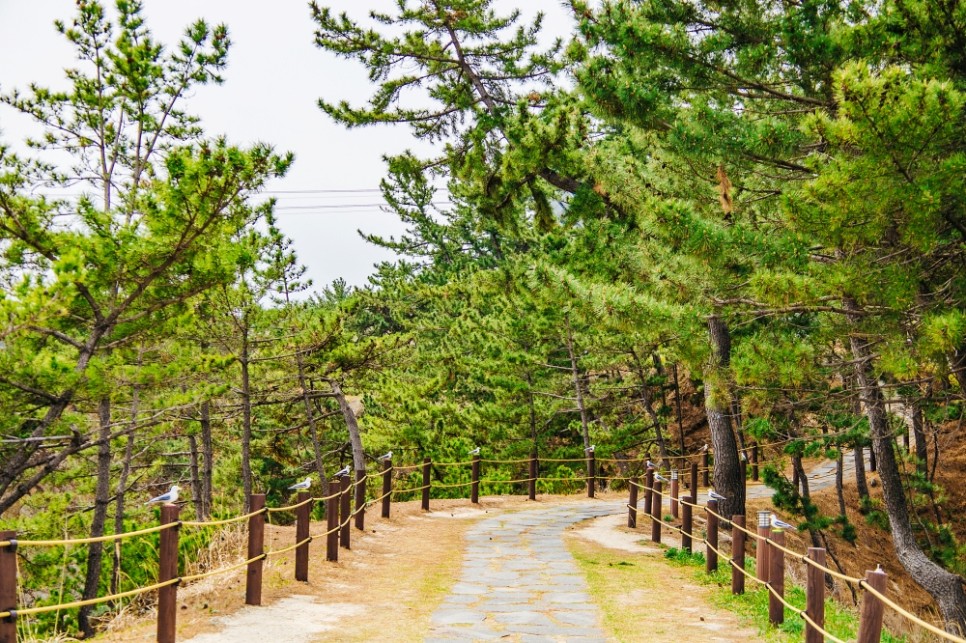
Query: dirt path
x: 403, y: 576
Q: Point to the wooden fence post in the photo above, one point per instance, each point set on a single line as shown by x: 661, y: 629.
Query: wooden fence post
x: 632, y: 504
x: 674, y: 493
x: 711, y: 555
x: 776, y: 577
x: 386, y: 487
x: 870, y: 618
x: 754, y: 462
x: 532, y: 481
x: 256, y: 547
x: 694, y: 481
x: 332, y: 521
x: 656, y: 506
x: 8, y: 587
x: 361, y: 500
x: 737, y: 555
x: 427, y: 463
x: 167, y: 570
x: 705, y: 469
x: 302, y: 517
x: 815, y: 596
x: 475, y: 484
x: 761, y: 547
x: 345, y: 509
x: 591, y: 474
x: 686, y: 520
x: 648, y: 486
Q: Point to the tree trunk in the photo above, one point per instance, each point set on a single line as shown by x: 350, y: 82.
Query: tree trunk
x: 355, y: 439
x: 310, y: 419
x: 839, y: 489
x: 957, y: 364
x: 677, y: 403
x: 648, y: 404
x: 717, y: 404
x: 578, y: 387
x: 207, y: 460
x: 919, y: 434
x: 122, y: 491
x: 196, y: 487
x: 102, y: 498
x: 246, y: 445
x: 946, y: 588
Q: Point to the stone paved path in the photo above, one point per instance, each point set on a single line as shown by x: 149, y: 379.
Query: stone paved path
x: 519, y: 582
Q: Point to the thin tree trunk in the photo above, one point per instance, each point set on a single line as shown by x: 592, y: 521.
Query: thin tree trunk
x: 575, y: 372
x: 197, y: 490
x: 102, y: 498
x: 861, y: 484
x: 677, y: 402
x: 355, y: 438
x: 839, y: 488
x: 946, y: 588
x: 207, y: 460
x: 648, y: 403
x: 919, y: 434
x: 246, y: 445
x: 727, y: 467
x: 122, y: 491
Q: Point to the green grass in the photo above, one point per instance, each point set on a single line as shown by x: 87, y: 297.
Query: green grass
x: 752, y: 606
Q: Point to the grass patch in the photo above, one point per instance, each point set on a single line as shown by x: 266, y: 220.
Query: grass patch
x: 752, y: 606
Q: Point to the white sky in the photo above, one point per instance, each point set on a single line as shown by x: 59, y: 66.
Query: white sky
x: 274, y: 78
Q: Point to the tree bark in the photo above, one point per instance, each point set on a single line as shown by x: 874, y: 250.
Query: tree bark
x: 578, y: 387
x: 246, y: 392
x: 352, y: 424
x: 717, y: 404
x: 946, y: 588
x: 207, y: 459
x: 648, y: 403
x: 196, y: 487
x: 122, y: 491
x: 102, y: 498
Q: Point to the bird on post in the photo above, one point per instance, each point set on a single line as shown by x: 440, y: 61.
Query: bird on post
x: 170, y: 496
x: 780, y: 524
x: 591, y: 448
x: 714, y: 495
x: 475, y: 451
x: 385, y: 456
x: 651, y: 465
x: 342, y: 473
x: 300, y: 486
x: 658, y: 476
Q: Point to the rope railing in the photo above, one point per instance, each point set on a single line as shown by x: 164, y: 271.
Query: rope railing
x: 27, y: 611
x: 302, y: 509
x: 795, y: 556
x: 84, y: 541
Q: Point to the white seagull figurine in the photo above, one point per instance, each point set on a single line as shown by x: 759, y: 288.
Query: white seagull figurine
x: 780, y: 524
x: 591, y: 448
x: 651, y: 465
x: 343, y: 472
x: 385, y: 456
x: 714, y: 495
x: 171, y: 496
x: 658, y: 476
x: 300, y: 486
x: 475, y: 451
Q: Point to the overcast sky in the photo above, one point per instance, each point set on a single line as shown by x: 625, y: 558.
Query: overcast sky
x: 275, y: 76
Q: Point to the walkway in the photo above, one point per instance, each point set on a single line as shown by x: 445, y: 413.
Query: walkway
x: 519, y: 582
